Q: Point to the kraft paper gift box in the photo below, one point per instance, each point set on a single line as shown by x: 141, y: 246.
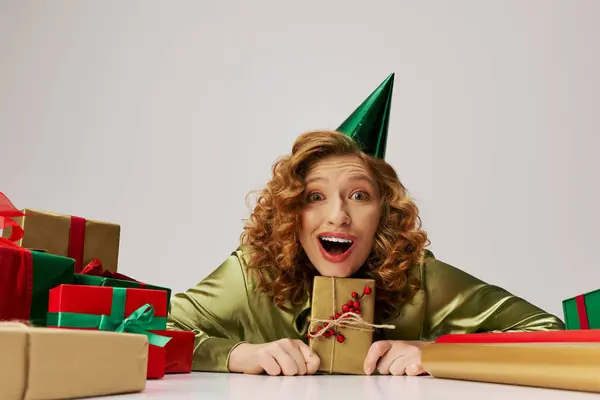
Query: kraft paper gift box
x: 50, y: 364
x: 137, y: 311
x: 69, y: 236
x: 582, y: 311
x: 342, y: 314
x: 26, y: 278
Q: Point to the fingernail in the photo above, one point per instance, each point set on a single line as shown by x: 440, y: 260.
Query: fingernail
x: 368, y: 371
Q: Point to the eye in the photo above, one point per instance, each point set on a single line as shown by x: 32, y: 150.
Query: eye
x: 314, y: 197
x: 360, y: 196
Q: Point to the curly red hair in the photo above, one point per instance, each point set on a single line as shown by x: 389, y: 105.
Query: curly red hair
x: 272, y: 231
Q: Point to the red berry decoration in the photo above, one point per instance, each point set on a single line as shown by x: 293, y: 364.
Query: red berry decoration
x: 350, y: 303
x: 357, y: 312
x: 340, y: 338
x: 345, y: 308
x: 354, y: 295
x: 367, y: 290
x: 356, y: 304
x: 337, y: 315
x: 351, y: 310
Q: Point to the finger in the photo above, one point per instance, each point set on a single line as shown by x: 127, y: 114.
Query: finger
x: 311, y: 359
x: 270, y: 365
x: 376, y: 351
x: 385, y: 363
x: 414, y: 369
x: 408, y: 358
x: 286, y: 362
x: 292, y: 348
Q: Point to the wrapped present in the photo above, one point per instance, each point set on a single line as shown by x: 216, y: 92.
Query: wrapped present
x: 94, y: 274
x: 179, y: 351
x: 341, y: 327
x: 44, y: 364
x: 139, y: 311
x: 69, y: 236
x: 570, y: 366
x: 26, y: 278
x: 582, y: 311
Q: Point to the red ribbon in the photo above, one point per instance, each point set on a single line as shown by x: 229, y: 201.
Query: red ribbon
x: 76, y: 241
x: 16, y: 281
x: 582, y: 312
x: 7, y: 211
x: 95, y: 268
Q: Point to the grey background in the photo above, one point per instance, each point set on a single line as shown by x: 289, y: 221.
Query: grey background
x: 163, y: 115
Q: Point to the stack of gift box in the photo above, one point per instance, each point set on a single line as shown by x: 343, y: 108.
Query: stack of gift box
x: 66, y: 312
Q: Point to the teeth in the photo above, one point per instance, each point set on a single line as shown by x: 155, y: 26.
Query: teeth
x: 334, y: 239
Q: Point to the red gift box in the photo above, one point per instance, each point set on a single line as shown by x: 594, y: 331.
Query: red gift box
x: 579, y: 336
x: 141, y: 311
x: 180, y: 351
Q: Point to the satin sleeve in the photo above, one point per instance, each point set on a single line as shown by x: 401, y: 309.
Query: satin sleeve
x: 216, y: 310
x: 460, y: 303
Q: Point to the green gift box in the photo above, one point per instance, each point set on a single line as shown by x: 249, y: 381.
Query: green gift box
x: 94, y: 275
x: 26, y: 278
x: 582, y: 311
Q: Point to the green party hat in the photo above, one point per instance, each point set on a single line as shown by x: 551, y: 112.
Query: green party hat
x: 368, y: 124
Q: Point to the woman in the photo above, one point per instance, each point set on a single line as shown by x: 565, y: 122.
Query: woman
x: 333, y: 209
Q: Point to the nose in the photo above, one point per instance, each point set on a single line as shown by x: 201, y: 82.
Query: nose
x: 338, y: 214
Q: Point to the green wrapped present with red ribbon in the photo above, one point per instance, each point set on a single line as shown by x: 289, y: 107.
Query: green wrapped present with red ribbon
x: 128, y: 310
x: 582, y: 311
x: 94, y: 274
x: 27, y: 276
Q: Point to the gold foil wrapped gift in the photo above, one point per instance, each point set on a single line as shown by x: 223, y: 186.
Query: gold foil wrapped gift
x: 570, y: 366
x: 45, y: 363
x: 341, y: 327
x: 70, y: 236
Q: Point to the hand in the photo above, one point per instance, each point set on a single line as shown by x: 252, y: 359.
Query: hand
x: 394, y: 357
x: 285, y: 356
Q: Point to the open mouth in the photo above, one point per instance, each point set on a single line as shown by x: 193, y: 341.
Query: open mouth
x: 335, y: 245
x: 335, y: 248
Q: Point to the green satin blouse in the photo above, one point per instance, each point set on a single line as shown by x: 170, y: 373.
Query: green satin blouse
x: 225, y: 309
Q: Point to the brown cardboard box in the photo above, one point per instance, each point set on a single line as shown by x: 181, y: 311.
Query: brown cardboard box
x: 49, y: 364
x: 53, y: 233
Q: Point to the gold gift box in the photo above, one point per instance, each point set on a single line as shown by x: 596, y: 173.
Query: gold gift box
x: 48, y: 363
x: 329, y: 297
x: 50, y: 232
x: 569, y: 366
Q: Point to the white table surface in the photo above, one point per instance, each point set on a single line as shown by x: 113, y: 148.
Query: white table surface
x: 201, y: 386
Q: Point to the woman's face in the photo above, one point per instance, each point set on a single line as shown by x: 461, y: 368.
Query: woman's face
x: 341, y: 215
